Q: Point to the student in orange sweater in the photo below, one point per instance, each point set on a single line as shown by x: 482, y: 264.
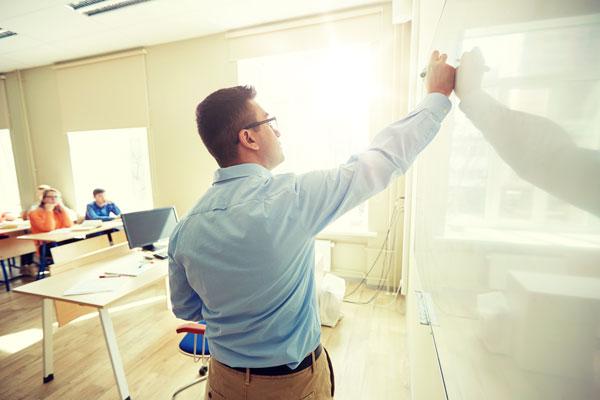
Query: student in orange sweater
x: 50, y: 215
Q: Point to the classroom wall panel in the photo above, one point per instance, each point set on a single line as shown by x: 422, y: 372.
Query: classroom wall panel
x: 4, y: 123
x: 20, y: 137
x: 49, y: 142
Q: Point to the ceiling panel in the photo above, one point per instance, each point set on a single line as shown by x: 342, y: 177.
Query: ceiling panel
x: 68, y: 35
x: 56, y: 23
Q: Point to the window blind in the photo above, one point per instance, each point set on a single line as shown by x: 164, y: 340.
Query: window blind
x: 104, y: 92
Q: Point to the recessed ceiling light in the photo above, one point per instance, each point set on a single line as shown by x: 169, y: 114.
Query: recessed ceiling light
x: 76, y: 5
x: 95, y: 7
x: 4, y: 33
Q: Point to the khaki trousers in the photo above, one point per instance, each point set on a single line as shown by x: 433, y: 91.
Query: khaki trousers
x: 314, y: 382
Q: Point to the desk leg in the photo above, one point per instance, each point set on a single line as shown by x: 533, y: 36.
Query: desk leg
x: 47, y: 319
x: 42, y: 269
x: 6, y: 280
x: 113, y: 351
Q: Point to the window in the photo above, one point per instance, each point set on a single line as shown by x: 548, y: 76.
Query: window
x: 322, y: 101
x: 9, y: 195
x: 115, y: 160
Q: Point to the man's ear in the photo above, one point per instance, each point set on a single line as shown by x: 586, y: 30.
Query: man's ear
x: 248, y: 139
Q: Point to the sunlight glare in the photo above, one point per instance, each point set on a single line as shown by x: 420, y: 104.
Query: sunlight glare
x: 15, y: 342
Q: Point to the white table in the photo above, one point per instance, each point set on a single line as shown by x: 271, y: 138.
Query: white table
x: 92, y: 266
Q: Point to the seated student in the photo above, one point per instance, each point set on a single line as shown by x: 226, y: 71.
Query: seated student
x: 51, y: 214
x: 40, y: 193
x: 101, y: 208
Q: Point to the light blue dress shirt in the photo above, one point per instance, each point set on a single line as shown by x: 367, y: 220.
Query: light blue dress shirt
x: 243, y: 257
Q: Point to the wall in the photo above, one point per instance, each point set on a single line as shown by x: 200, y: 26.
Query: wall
x: 182, y: 168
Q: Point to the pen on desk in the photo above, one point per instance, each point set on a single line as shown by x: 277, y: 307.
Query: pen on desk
x: 110, y: 276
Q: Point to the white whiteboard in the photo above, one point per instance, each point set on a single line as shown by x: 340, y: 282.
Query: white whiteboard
x: 507, y: 204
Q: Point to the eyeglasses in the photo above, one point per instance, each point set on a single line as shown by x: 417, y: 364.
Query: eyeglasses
x: 271, y: 121
x: 51, y: 197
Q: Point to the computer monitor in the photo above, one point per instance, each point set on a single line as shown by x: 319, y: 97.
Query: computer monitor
x: 144, y: 228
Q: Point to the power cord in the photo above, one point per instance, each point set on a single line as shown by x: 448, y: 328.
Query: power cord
x: 395, y: 212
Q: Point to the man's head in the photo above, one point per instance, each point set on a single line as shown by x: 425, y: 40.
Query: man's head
x: 99, y: 196
x: 233, y: 128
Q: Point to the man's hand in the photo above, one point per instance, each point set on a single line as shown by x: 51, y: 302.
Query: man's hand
x: 469, y: 73
x: 440, y: 76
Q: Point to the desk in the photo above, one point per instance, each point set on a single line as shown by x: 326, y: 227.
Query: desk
x: 10, y: 247
x: 25, y: 225
x: 91, y: 266
x: 65, y: 234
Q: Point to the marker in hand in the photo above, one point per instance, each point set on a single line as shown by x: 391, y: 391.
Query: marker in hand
x: 423, y: 73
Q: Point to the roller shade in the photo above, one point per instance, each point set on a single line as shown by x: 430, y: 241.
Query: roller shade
x: 363, y: 25
x: 103, y: 93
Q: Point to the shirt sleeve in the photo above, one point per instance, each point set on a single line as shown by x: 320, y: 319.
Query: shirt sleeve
x: 187, y: 305
x: 65, y: 219
x: 326, y: 195
x: 115, y: 209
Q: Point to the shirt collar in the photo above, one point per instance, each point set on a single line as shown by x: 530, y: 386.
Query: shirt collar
x: 241, y: 171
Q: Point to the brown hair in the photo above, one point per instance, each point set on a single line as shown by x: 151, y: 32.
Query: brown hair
x: 46, y: 192
x: 220, y: 117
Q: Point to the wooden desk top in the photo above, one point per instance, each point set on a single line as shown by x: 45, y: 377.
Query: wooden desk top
x: 22, y: 227
x: 65, y: 234
x: 120, y: 255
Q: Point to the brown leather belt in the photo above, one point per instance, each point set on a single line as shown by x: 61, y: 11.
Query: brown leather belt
x: 283, y: 369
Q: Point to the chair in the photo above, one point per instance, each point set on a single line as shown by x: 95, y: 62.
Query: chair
x: 67, y: 312
x: 118, y: 237
x: 67, y: 252
x: 193, y: 344
x: 10, y: 247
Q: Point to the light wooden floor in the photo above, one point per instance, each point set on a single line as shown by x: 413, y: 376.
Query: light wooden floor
x: 368, y: 350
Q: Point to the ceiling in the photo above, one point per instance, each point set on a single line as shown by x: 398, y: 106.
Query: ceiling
x: 48, y: 31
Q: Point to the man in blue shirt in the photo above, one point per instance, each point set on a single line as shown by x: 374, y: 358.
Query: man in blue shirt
x: 242, y: 258
x: 101, y: 208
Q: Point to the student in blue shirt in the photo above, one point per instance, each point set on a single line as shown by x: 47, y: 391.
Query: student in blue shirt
x: 242, y: 258
x: 101, y: 208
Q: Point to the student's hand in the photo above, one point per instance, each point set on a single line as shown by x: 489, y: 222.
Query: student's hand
x: 118, y: 217
x: 469, y: 73
x: 49, y: 206
x: 440, y: 76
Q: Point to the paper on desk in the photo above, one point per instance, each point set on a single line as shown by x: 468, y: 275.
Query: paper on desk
x: 61, y: 230
x: 94, y: 285
x: 130, y: 270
